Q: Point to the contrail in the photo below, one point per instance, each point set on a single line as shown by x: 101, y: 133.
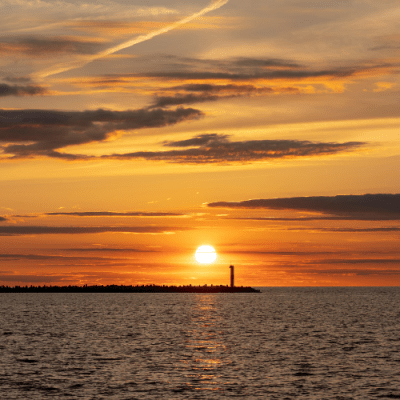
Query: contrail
x: 58, y: 68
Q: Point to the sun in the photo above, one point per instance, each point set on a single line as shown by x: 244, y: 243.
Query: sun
x: 205, y: 254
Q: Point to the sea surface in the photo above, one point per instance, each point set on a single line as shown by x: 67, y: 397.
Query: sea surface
x: 283, y: 343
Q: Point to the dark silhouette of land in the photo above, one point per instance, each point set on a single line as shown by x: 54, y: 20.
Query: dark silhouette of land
x: 128, y: 289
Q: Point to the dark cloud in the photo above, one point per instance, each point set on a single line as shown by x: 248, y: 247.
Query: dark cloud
x: 24, y: 216
x: 17, y: 79
x: 117, y: 214
x: 42, y: 47
x: 367, y: 206
x: 72, y: 278
x: 268, y: 74
x: 111, y: 250
x: 40, y: 257
x: 201, y: 140
x: 230, y: 89
x: 236, y: 72
x: 286, y: 253
x: 29, y: 279
x: 358, y: 261
x: 72, y: 230
x: 298, y: 219
x: 207, y: 92
x: 3, y: 219
x: 352, y: 271
x: 15, y: 90
x: 212, y: 148
x: 361, y: 230
x: 34, y: 133
x: 232, y: 63
x: 165, y: 101
x: 51, y: 130
x: 243, y: 68
x: 264, y: 62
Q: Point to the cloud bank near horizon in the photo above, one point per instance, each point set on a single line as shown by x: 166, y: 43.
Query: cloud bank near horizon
x: 362, y: 207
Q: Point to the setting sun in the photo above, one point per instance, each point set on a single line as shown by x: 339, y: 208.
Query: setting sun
x: 205, y: 254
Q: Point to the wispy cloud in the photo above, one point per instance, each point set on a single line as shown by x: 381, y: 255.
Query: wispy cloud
x: 76, y: 230
x: 62, y: 67
x: 123, y: 28
x: 363, y: 207
x: 108, y: 249
x: 46, y: 257
x: 117, y: 214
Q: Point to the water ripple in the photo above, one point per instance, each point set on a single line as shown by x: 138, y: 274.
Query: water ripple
x: 284, y: 343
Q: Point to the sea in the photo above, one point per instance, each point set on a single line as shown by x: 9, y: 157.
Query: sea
x: 282, y: 343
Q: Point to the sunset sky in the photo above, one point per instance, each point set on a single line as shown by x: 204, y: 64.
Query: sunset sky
x: 132, y: 132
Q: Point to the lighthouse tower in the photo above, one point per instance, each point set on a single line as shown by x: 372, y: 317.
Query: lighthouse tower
x: 232, y: 275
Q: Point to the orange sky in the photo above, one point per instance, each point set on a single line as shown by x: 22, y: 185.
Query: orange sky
x: 130, y: 136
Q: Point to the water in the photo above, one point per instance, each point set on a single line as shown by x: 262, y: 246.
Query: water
x: 284, y: 343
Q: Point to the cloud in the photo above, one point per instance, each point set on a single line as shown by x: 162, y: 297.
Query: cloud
x: 11, y: 277
x: 123, y: 28
x: 3, y: 219
x: 367, y: 206
x: 30, y: 133
x: 40, y: 257
x: 56, y: 69
x: 16, y: 90
x: 44, y: 47
x: 71, y: 278
x: 213, y: 148
x: 166, y: 101
x: 269, y: 74
x: 245, y: 69
x: 233, y: 77
x: 298, y: 219
x: 209, y: 92
x: 360, y: 230
x: 117, y: 214
x: 179, y: 68
x: 110, y: 249
x: 352, y: 271
x: 53, y: 130
x: 201, y: 140
x: 72, y: 230
x: 358, y: 261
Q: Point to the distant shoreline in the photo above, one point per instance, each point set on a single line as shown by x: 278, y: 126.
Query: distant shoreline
x: 128, y: 289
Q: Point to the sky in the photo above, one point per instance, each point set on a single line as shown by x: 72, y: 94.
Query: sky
x: 133, y: 132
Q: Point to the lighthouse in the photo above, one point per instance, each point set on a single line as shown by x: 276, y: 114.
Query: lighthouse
x: 232, y: 275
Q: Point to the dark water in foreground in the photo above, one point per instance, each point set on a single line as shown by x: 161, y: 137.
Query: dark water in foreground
x: 284, y: 343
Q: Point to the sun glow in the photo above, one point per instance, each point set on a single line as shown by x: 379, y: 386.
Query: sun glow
x: 205, y: 254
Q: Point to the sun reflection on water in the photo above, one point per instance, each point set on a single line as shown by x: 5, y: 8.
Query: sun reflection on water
x: 207, y: 353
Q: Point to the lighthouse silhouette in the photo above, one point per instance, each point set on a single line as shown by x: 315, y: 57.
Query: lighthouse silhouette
x: 232, y: 275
